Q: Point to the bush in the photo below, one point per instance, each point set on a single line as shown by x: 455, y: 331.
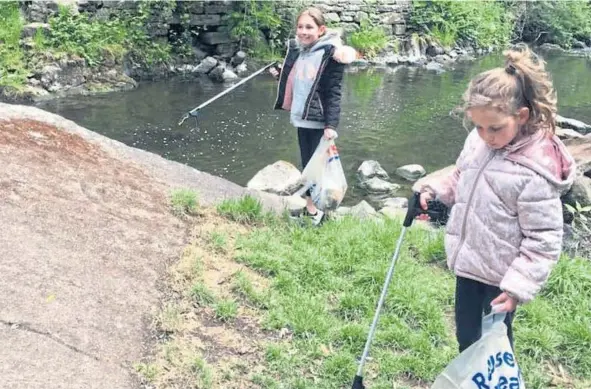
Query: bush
x: 559, y: 22
x: 369, y: 40
x: 482, y: 23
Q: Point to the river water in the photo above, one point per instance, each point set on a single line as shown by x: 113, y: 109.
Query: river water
x: 396, y: 116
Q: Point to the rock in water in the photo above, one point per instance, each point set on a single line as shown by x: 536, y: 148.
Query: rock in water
x: 411, y: 172
x: 370, y: 169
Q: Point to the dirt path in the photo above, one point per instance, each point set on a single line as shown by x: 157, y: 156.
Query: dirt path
x: 86, y: 233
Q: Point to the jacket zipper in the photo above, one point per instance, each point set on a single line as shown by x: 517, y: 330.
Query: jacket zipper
x: 314, y: 86
x: 468, y: 204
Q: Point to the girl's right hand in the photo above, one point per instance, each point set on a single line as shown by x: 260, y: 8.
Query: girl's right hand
x: 425, y: 196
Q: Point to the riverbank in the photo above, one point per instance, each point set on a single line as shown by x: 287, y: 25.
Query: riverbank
x: 253, y: 300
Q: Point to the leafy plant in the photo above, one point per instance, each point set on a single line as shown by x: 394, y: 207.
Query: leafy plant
x: 482, y: 23
x: 580, y: 220
x: 77, y: 34
x: 369, y: 39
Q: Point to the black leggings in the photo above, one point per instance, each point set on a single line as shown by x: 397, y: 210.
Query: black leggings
x: 473, y: 298
x: 308, y: 138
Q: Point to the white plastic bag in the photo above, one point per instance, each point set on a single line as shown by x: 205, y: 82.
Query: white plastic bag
x: 324, y: 176
x: 487, y: 364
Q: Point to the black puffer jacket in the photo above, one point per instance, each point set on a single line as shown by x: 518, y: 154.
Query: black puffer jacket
x: 324, y: 100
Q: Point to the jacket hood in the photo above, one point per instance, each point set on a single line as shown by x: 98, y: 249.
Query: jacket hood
x: 546, y: 155
x: 342, y: 53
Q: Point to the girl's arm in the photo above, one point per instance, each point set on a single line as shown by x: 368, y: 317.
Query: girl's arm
x: 539, y: 211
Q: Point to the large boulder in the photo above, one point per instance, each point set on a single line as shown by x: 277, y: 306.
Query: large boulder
x: 281, y: 178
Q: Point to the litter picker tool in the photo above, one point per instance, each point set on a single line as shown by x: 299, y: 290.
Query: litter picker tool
x: 195, y: 111
x: 435, y: 210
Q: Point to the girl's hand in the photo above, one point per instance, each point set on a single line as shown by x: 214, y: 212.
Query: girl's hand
x: 425, y: 196
x: 329, y: 134
x: 274, y: 72
x: 504, y: 303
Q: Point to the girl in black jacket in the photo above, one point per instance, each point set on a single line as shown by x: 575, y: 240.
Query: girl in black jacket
x: 310, y: 87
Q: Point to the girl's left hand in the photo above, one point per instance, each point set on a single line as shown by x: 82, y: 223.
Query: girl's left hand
x: 329, y: 134
x: 504, y: 303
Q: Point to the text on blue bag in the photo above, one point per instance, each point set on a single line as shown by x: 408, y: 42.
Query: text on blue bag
x: 494, y: 362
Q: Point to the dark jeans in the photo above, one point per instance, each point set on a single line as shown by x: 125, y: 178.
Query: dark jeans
x: 308, y: 138
x: 473, y: 298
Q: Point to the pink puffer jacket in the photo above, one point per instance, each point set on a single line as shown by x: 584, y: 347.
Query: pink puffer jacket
x: 505, y: 227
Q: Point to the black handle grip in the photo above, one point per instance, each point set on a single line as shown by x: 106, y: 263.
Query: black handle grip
x: 436, y: 210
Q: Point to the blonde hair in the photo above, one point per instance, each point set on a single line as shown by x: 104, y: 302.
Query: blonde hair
x: 523, y: 82
x: 315, y: 14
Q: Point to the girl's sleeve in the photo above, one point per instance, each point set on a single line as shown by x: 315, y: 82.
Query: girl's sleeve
x: 331, y: 93
x: 539, y: 211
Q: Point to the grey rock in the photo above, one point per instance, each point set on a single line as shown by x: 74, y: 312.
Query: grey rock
x: 370, y: 169
x: 411, y: 172
x: 377, y: 185
x: 363, y: 211
x: 573, y: 124
x: 280, y: 178
x: 207, y: 65
x: 238, y: 58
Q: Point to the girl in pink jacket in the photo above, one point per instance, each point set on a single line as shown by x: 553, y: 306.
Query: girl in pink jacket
x: 504, y: 233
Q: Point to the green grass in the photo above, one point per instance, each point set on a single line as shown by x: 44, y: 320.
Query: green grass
x: 226, y: 310
x: 246, y: 210
x: 201, y: 295
x: 184, y: 201
x: 324, y: 285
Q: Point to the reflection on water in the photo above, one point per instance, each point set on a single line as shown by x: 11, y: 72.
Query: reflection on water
x: 396, y: 116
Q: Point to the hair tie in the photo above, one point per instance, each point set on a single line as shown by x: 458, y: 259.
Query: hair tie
x: 511, y: 69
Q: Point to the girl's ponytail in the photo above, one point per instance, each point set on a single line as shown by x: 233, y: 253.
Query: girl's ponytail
x: 523, y: 82
x: 534, y: 84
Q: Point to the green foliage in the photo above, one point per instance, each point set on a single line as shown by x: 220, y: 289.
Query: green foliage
x: 369, y: 40
x: 13, y: 73
x: 482, y: 23
x: 75, y: 33
x: 580, y: 216
x: 258, y: 27
x: 560, y: 22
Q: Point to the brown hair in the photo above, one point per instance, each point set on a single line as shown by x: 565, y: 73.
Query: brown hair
x: 315, y: 14
x: 523, y: 82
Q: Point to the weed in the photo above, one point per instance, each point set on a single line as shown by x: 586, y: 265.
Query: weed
x: 183, y: 201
